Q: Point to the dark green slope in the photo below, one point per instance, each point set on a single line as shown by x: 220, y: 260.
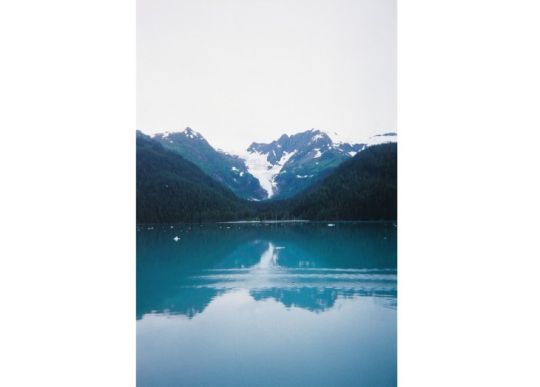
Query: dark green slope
x: 227, y: 169
x: 362, y: 188
x: 172, y: 189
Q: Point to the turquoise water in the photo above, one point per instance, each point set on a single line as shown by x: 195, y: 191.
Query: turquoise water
x: 267, y: 305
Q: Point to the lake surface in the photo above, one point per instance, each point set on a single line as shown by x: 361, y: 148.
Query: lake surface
x: 267, y: 305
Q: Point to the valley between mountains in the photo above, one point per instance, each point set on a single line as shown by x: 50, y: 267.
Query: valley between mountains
x: 309, y: 175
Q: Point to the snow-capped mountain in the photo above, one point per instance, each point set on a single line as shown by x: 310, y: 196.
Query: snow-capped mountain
x: 279, y: 169
x: 230, y: 170
x: 290, y: 164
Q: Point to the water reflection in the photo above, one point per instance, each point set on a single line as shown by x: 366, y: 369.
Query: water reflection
x: 290, y: 264
x: 267, y: 305
x: 315, y: 289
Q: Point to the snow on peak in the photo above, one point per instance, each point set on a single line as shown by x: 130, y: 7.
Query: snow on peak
x: 162, y: 135
x: 188, y: 132
x: 338, y: 139
x: 381, y: 139
x: 318, y: 136
x: 335, y: 137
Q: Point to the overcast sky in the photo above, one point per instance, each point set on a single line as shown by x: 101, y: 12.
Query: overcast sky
x: 249, y: 70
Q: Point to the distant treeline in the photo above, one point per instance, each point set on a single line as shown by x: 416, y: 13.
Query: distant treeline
x: 171, y: 189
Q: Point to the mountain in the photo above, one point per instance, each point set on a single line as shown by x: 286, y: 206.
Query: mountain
x: 364, y: 187
x: 172, y: 189
x: 229, y: 170
x: 290, y: 164
x: 276, y: 170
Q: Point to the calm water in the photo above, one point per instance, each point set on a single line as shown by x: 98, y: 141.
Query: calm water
x: 267, y: 305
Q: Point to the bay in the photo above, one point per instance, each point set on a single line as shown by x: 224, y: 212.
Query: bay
x: 267, y: 304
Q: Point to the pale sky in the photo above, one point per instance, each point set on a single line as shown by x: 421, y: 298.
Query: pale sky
x: 250, y: 70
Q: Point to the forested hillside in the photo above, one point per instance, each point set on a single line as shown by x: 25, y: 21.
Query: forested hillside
x: 225, y: 168
x: 364, y: 187
x: 172, y: 189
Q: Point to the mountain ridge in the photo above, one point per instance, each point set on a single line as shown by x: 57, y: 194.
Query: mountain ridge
x: 279, y: 169
x: 304, y: 158
x: 173, y: 189
x: 225, y: 168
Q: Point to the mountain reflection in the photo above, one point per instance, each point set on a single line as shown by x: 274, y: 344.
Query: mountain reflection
x: 304, y: 266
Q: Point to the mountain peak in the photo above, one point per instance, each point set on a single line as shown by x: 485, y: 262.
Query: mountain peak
x: 173, y: 136
x: 224, y: 168
x: 293, y: 161
x: 188, y: 132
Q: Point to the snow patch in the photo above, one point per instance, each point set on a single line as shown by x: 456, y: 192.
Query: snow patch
x: 257, y: 164
x: 190, y: 133
x: 317, y: 153
x: 336, y: 138
x: 160, y: 135
x: 381, y: 139
x: 317, y: 137
x: 234, y: 169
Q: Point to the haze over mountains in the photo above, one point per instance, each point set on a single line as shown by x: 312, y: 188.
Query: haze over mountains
x: 276, y: 170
